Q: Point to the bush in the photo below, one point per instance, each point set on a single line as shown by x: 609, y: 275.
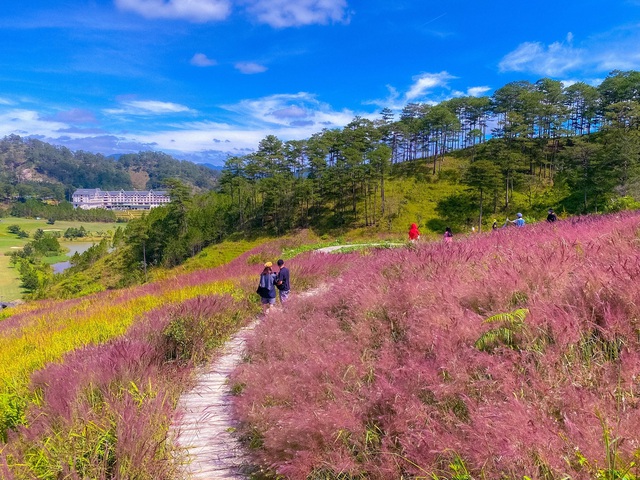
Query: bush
x: 194, y: 331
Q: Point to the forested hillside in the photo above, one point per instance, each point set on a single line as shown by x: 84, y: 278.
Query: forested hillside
x: 29, y: 167
x: 576, y: 148
x: 529, y: 147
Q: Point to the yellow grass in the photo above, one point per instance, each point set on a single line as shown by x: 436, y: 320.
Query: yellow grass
x: 47, y: 337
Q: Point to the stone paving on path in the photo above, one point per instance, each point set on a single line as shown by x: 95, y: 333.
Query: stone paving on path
x: 204, y: 433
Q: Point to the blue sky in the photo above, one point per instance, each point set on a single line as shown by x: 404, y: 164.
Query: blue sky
x: 204, y: 79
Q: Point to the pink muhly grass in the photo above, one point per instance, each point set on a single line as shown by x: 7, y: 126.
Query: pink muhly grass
x: 116, y: 399
x: 104, y: 412
x: 382, y: 375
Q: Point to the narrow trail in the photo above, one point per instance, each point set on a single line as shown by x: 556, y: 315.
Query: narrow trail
x: 204, y: 431
x: 335, y: 248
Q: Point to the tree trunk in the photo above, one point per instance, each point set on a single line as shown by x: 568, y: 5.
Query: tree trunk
x: 382, y: 199
x: 480, y: 219
x: 435, y: 158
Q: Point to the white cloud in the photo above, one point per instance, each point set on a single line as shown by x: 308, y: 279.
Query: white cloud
x: 192, y: 10
x: 27, y: 122
x: 294, y: 13
x: 4, y: 101
x: 288, y: 116
x: 250, y: 68
x: 293, y: 111
x: 147, y: 107
x: 554, y: 60
x: 427, y: 88
x: 617, y: 49
x: 201, y: 60
x: 276, y: 13
x: 290, y: 112
x: 425, y: 82
x: 477, y: 91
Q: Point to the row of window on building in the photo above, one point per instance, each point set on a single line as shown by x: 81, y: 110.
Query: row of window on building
x: 88, y: 198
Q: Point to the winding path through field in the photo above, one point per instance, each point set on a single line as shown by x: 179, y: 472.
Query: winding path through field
x: 205, y: 429
x: 204, y: 432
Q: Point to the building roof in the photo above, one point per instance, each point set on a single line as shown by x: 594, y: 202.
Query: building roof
x: 98, y: 191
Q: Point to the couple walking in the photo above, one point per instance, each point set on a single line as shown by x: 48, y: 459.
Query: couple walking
x: 270, y: 281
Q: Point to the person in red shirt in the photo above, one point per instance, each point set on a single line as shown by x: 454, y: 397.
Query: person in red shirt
x: 414, y: 234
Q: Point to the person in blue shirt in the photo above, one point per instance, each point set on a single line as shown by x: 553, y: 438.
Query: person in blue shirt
x: 282, y: 282
x: 519, y: 221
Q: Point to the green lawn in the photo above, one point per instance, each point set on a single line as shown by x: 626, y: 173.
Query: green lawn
x: 9, y: 281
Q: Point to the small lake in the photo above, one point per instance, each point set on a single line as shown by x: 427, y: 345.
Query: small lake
x: 76, y: 247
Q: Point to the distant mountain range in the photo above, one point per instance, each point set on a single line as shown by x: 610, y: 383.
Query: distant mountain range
x: 30, y: 167
x: 217, y: 168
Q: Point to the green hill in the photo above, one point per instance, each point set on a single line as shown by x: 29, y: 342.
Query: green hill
x: 32, y: 168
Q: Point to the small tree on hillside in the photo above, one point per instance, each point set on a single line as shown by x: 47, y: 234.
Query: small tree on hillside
x: 482, y: 177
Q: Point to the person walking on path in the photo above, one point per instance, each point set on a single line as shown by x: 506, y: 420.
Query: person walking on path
x: 282, y: 282
x: 551, y: 216
x: 448, y: 235
x: 494, y: 226
x: 414, y: 234
x: 267, y: 287
x: 519, y: 221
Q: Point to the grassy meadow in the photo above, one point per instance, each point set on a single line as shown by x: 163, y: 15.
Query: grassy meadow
x: 513, y: 354
x: 9, y: 279
x: 88, y: 386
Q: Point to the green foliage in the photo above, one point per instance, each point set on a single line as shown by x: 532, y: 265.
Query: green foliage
x: 46, y: 245
x: 89, y: 447
x: 72, y: 232
x: 12, y: 412
x: 16, y: 230
x: 593, y: 348
x: 617, y: 466
x: 92, y: 271
x: 32, y: 208
x: 621, y: 203
x: 457, y: 210
x: 504, y: 335
x: 192, y: 338
x: 454, y: 468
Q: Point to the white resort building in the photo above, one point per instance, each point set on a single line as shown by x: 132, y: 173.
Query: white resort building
x: 88, y: 198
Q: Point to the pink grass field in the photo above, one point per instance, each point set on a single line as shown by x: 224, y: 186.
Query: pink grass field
x: 103, y: 410
x: 394, y: 371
